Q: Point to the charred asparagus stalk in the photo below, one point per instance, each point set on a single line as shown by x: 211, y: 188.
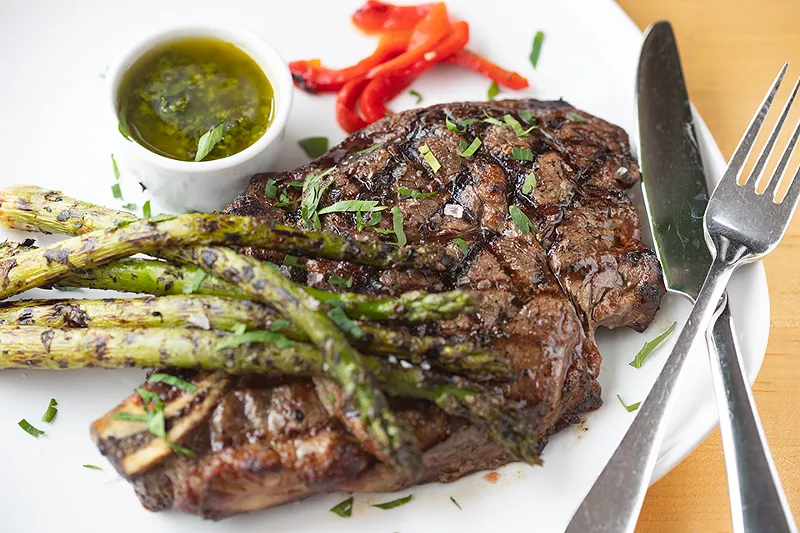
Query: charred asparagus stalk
x: 37, y: 347
x: 390, y: 440
x: 34, y: 209
x: 207, y: 312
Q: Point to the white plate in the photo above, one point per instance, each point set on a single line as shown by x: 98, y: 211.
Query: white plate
x: 54, y: 135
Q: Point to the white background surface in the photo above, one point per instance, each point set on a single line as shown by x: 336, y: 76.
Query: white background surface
x: 57, y: 134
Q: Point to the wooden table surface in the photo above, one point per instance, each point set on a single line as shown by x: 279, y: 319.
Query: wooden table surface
x: 731, y: 51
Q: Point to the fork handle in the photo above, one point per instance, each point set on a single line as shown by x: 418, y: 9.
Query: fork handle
x: 614, y: 501
x: 758, y: 503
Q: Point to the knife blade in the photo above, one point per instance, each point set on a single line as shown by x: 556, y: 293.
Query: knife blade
x: 673, y: 179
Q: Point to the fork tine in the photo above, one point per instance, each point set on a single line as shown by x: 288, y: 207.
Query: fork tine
x: 746, y: 144
x: 758, y: 168
x: 780, y: 168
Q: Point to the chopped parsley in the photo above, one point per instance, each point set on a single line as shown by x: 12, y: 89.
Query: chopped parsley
x: 270, y: 189
x: 292, y: 261
x: 338, y: 281
x: 430, y: 158
x: 493, y: 91
x: 459, y: 126
x: 312, y: 194
x: 536, y: 48
x: 352, y: 206
x: 456, y: 503
x: 521, y: 154
x: 92, y: 467
x: 29, y: 429
x: 208, y: 141
x: 416, y: 95
x: 362, y: 223
x: 462, y: 244
x: 649, y: 346
x: 394, y: 503
x: 521, y: 219
x: 51, y: 412
x: 576, y: 117
x: 469, y: 151
x: 129, y: 207
x: 116, y: 168
x: 314, y: 146
x: 146, y: 209
x: 630, y: 408
x: 405, y: 192
x: 369, y: 150
x: 529, y: 184
x: 341, y: 319
x: 491, y: 120
x: 344, y: 509
x: 516, y: 126
x: 173, y: 381
x: 116, y: 191
x: 397, y: 225
x: 258, y: 336
x: 527, y: 116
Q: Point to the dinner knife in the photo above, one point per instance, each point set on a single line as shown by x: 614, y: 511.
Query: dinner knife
x: 676, y: 195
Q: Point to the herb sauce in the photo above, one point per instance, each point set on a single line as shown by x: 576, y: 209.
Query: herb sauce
x: 178, y: 92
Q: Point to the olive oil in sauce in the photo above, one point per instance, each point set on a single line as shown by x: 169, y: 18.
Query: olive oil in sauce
x: 178, y: 92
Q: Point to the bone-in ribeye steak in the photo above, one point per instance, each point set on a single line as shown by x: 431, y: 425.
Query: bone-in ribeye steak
x: 264, y: 442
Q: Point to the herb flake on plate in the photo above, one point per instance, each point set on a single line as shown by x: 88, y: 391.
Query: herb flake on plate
x: 574, y: 117
x: 338, y: 281
x: 313, y: 190
x: 352, y: 206
x: 516, y: 126
x: 521, y: 219
x: 536, y: 48
x: 271, y: 189
x: 173, y: 381
x: 92, y: 467
x: 462, y: 244
x: 459, y: 126
x: 469, y: 151
x: 344, y: 509
x: 649, y: 346
x: 146, y: 209
x: 394, y: 503
x: 521, y: 154
x: 430, y: 158
x: 493, y: 91
x: 51, y: 412
x: 397, y: 226
x: 314, y: 146
x: 29, y: 429
x: 529, y: 184
x: 630, y: 408
x: 208, y: 141
x: 369, y: 150
x: 491, y: 120
x: 405, y: 192
x: 344, y: 322
x: 456, y: 503
x: 416, y: 95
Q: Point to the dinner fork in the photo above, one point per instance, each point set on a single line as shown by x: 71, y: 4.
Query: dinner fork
x: 741, y: 226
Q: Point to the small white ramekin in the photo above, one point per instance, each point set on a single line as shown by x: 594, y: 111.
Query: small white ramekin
x: 204, y: 185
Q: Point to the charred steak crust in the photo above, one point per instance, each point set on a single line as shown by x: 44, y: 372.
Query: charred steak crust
x: 543, y: 295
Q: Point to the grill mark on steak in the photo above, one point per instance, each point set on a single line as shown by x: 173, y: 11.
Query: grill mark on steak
x: 542, y: 296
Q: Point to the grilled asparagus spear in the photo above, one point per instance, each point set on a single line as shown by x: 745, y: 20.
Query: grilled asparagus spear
x: 207, y: 312
x: 31, y: 208
x: 38, y: 347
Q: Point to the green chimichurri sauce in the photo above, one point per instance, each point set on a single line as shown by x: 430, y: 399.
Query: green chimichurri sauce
x: 176, y: 93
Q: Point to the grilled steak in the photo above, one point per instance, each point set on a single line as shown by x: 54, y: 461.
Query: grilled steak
x: 263, y: 442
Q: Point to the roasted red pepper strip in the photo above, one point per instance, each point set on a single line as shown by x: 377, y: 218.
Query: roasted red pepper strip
x: 484, y: 67
x: 377, y: 17
x: 386, y: 86
x: 346, y: 100
x: 311, y: 77
x: 429, y: 32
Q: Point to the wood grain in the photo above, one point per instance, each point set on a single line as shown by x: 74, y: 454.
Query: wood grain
x: 731, y: 50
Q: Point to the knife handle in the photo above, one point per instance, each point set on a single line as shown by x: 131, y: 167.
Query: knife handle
x: 758, y: 503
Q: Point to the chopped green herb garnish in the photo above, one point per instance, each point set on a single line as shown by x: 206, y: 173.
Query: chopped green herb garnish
x: 521, y: 219
x: 536, y: 49
x: 195, y: 282
x: 279, y: 325
x: 576, y: 117
x: 339, y: 281
x: 459, y: 126
x: 129, y: 207
x: 397, y: 224
x: 352, y: 206
x: 341, y: 319
x: 411, y: 193
x: 239, y: 328
x: 30, y: 429
x: 630, y: 408
x: 314, y: 146
x: 491, y: 120
x: 462, y: 244
x: 258, y: 336
x: 529, y: 184
x: 362, y: 223
x: 157, y: 424
x: 649, y: 346
x: 430, y: 158
x: 292, y: 261
x: 51, y: 411
x: 468, y: 151
x: 92, y: 467
x: 147, y: 396
x: 116, y: 191
x: 181, y: 450
x: 493, y: 91
x: 416, y: 95
x: 455, y: 502
x: 516, y: 126
x: 394, y: 503
x: 208, y: 141
x: 344, y: 509
x: 146, y: 209
x: 116, y: 168
x: 270, y: 189
x: 312, y: 194
x: 521, y: 154
x: 527, y: 116
x: 369, y: 150
x: 173, y: 381
x: 285, y: 200
x: 131, y: 417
